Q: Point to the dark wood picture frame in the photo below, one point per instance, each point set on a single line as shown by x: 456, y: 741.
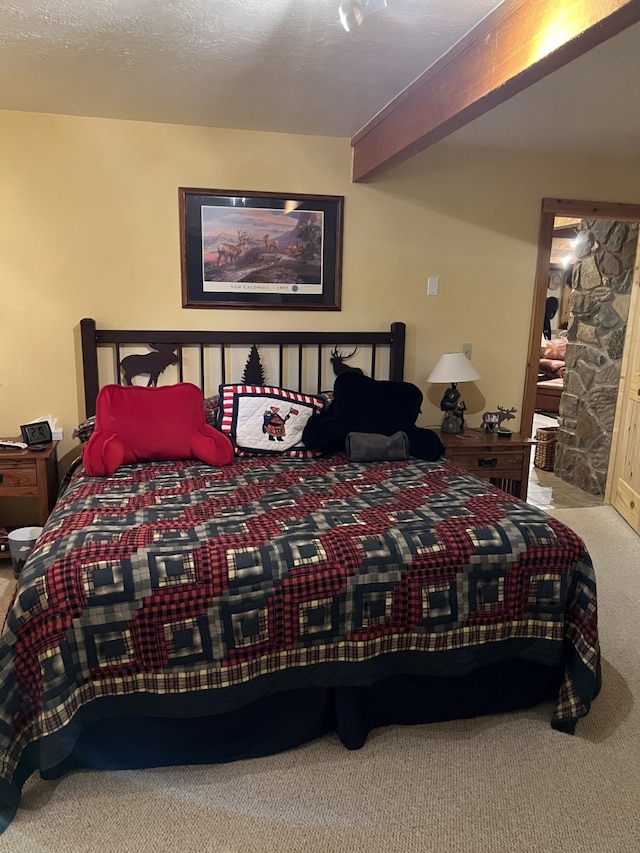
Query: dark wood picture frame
x: 243, y: 249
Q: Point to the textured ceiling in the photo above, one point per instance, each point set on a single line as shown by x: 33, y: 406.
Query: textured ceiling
x: 289, y: 66
x: 276, y: 65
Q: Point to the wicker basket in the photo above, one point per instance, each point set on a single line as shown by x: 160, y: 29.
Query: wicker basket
x: 545, y: 456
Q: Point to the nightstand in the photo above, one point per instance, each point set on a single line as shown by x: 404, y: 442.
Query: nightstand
x: 30, y: 474
x: 503, y: 461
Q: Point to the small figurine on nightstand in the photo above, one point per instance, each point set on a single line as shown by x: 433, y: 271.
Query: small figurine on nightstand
x: 493, y: 419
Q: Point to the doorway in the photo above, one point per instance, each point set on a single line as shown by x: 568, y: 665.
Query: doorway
x: 571, y: 212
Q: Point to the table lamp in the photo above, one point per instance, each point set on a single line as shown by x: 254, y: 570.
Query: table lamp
x: 453, y: 367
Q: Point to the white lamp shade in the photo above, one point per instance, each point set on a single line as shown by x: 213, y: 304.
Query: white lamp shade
x: 453, y: 367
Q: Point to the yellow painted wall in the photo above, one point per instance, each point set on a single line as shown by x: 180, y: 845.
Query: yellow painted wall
x: 89, y: 213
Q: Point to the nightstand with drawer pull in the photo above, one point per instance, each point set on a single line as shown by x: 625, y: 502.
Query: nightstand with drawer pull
x: 503, y: 461
x: 30, y: 474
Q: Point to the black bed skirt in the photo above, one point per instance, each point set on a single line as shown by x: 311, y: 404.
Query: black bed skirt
x: 285, y: 720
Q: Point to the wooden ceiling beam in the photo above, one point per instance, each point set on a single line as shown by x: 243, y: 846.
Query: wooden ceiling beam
x: 516, y: 45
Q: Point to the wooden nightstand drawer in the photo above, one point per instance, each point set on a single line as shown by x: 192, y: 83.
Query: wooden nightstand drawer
x: 487, y: 463
x: 16, y: 474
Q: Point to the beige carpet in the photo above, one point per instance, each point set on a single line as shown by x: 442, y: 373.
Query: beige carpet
x: 499, y: 784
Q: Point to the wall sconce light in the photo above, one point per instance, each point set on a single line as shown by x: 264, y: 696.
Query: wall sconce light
x: 453, y: 367
x: 353, y: 12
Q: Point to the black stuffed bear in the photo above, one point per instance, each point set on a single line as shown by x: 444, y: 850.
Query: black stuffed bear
x: 362, y: 404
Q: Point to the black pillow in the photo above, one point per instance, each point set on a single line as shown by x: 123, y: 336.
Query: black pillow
x: 362, y: 404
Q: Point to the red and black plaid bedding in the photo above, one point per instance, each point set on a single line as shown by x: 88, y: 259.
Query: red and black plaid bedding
x: 179, y: 589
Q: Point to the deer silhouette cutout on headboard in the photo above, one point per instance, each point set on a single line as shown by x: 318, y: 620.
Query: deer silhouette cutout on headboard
x: 338, y: 359
x: 150, y: 364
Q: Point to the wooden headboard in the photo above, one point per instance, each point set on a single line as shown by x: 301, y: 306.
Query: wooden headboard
x: 301, y: 361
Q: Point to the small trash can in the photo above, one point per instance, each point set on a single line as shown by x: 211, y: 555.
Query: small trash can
x: 21, y: 542
x: 545, y: 455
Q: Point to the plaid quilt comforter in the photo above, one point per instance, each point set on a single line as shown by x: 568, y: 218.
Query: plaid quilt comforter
x: 221, y: 586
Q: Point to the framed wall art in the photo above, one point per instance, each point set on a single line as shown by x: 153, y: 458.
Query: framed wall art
x: 244, y: 249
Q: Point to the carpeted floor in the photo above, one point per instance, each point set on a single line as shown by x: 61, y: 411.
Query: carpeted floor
x: 499, y: 784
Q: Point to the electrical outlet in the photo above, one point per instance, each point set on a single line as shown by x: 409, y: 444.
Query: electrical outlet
x: 466, y: 349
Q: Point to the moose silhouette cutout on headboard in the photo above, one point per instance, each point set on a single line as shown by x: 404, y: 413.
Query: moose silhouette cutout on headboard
x: 150, y: 364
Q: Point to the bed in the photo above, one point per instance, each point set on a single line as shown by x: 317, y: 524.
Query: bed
x: 179, y: 612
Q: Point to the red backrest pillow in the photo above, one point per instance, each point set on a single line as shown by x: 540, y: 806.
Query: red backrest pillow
x: 139, y: 424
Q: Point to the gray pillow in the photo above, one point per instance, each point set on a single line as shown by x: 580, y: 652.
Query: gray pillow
x: 374, y: 447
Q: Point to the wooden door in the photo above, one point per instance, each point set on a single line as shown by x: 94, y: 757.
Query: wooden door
x: 623, y: 482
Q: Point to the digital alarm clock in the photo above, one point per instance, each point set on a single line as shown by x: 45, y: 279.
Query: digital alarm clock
x: 37, y: 433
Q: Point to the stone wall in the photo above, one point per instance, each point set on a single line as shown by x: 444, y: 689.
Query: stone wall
x: 600, y: 295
